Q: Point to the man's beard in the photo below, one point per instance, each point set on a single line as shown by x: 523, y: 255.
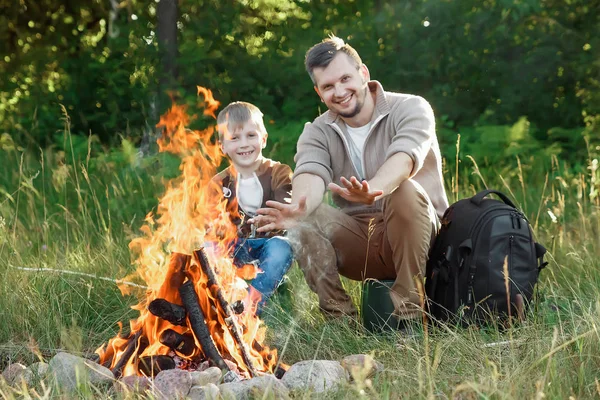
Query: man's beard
x: 360, y: 102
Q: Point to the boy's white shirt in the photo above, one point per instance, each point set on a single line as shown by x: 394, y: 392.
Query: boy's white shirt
x: 249, y: 193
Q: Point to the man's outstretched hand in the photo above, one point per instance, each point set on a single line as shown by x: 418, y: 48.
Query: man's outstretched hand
x: 355, y: 191
x: 278, y: 215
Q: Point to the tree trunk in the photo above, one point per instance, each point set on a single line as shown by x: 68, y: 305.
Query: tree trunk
x: 167, y: 13
x: 167, y: 40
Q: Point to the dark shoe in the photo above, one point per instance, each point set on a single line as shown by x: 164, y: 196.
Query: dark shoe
x: 344, y: 321
x: 331, y: 315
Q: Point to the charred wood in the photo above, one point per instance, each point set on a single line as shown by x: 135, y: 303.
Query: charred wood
x: 129, y: 350
x: 189, y: 297
x: 183, y: 344
x: 279, y: 372
x: 175, y: 277
x: 107, y: 361
x: 143, y: 343
x: 150, y: 366
x: 230, y: 319
x: 173, y: 313
x: 238, y: 307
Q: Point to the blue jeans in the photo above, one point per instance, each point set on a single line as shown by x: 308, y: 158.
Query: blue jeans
x: 274, y: 256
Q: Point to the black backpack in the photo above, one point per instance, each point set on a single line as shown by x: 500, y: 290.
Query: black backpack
x: 465, y: 277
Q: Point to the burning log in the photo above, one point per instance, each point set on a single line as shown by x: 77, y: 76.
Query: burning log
x: 279, y: 372
x: 178, y: 263
x: 151, y: 365
x: 230, y: 319
x: 238, y: 307
x: 173, y: 313
x: 129, y: 350
x: 183, y: 344
x: 198, y: 325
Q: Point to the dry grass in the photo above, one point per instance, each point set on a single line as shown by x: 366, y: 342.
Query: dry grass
x: 59, y: 215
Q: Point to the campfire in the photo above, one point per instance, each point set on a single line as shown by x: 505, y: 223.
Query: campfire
x: 197, y: 311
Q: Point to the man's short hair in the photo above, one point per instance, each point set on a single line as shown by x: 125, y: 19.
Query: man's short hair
x: 321, y: 54
x: 237, y: 114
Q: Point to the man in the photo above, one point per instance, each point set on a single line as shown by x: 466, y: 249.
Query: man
x: 378, y: 154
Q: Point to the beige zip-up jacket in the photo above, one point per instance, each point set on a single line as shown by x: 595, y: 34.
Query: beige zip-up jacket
x: 400, y: 123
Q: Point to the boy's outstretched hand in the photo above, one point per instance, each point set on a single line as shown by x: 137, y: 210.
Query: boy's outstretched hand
x: 355, y: 191
x: 279, y: 215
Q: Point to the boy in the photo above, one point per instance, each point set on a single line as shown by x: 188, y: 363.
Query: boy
x: 247, y: 184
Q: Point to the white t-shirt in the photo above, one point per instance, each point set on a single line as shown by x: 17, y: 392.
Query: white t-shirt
x: 249, y: 193
x: 357, y: 145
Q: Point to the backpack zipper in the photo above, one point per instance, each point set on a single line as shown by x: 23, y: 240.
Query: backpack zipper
x: 511, y: 239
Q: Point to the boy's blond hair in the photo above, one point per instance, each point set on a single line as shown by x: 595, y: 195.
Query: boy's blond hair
x: 237, y: 114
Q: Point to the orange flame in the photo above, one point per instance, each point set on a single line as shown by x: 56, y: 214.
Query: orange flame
x: 190, y: 215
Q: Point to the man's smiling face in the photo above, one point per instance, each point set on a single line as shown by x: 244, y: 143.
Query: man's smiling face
x: 342, y: 85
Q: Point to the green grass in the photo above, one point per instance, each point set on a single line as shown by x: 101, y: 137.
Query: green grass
x: 73, y: 211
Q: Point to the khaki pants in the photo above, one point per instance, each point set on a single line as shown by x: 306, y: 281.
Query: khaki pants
x: 392, y: 244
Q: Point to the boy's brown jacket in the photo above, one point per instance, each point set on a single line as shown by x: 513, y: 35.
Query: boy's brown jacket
x: 276, y: 181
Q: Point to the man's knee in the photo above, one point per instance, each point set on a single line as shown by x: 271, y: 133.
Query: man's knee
x: 311, y: 249
x: 315, y: 232
x: 300, y: 237
x: 408, y: 201
x: 325, y: 220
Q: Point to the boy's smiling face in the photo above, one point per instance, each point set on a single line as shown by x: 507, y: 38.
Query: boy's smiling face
x: 243, y: 144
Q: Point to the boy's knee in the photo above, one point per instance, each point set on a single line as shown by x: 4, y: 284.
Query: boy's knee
x: 279, y: 250
x: 278, y: 243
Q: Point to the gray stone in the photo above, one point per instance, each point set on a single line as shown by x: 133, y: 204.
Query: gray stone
x: 35, y: 372
x: 203, y: 378
x: 316, y: 375
x: 361, y: 366
x: 71, y: 371
x: 232, y: 366
x: 39, y: 369
x: 266, y: 386
x: 208, y: 392
x: 231, y: 376
x: 13, y: 373
x: 172, y: 384
x: 204, y: 365
x: 132, y: 384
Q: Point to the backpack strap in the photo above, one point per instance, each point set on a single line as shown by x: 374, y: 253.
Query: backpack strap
x: 464, y: 250
x: 539, y: 254
x: 432, y: 287
x: 477, y: 199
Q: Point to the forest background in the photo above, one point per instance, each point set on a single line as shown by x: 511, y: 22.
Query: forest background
x: 479, y: 63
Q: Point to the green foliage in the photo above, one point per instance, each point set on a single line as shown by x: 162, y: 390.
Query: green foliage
x: 281, y: 143
x: 485, y: 63
x: 90, y: 59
